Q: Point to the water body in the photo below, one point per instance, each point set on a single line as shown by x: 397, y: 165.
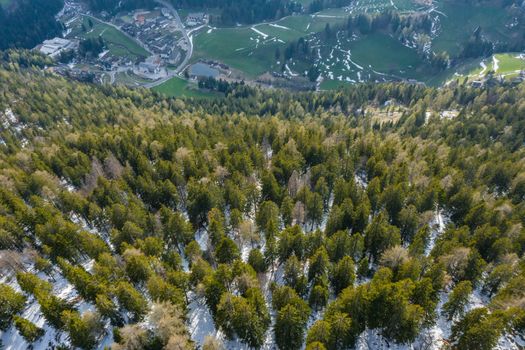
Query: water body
x: 203, y: 70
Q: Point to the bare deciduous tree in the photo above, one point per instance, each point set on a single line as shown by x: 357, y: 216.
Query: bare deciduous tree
x: 90, y: 182
x: 112, y: 167
x: 299, y: 213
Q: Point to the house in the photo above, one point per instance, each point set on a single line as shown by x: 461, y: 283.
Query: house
x: 196, y: 18
x: 451, y: 114
x: 140, y: 20
x: 166, y: 13
x: 478, y: 83
x: 151, y: 65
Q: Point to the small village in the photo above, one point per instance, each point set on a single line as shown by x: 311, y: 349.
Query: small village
x: 151, y: 47
x: 140, y: 48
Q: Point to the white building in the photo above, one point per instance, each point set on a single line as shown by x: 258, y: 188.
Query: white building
x: 55, y: 46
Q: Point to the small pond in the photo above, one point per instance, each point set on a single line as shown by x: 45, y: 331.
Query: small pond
x: 203, y: 70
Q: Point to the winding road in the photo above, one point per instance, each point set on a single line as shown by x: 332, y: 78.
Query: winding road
x: 185, y: 34
x: 140, y: 43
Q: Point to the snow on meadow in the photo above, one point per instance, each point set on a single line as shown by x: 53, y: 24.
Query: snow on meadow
x: 495, y: 63
x: 259, y: 32
x: 278, y: 26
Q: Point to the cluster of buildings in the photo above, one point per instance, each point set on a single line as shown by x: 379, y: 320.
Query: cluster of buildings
x: 159, y: 33
x: 493, y: 80
x: 54, y: 47
x: 80, y: 74
x: 196, y: 19
x: 152, y: 65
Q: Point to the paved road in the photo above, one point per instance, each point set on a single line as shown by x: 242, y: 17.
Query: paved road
x: 120, y: 30
x: 185, y: 35
x: 181, y: 67
x: 189, y: 53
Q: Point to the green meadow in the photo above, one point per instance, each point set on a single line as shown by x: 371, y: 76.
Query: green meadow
x: 117, y: 42
x: 177, y: 87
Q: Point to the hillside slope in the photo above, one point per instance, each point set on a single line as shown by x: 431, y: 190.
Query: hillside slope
x: 385, y: 215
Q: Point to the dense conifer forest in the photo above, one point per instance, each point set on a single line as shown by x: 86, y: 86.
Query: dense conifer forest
x: 292, y: 219
x: 230, y: 12
x: 26, y: 23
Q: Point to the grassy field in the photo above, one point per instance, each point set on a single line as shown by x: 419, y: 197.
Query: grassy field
x: 117, y: 42
x: 251, y: 49
x: 374, y: 57
x: 461, y: 21
x: 177, y: 87
x: 312, y: 23
x: 385, y: 54
x: 371, y: 6
x: 467, y: 67
x: 241, y: 48
x: 508, y: 66
x: 130, y: 79
x: 510, y: 63
x: 332, y: 84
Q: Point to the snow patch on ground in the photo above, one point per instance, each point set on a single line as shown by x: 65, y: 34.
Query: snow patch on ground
x: 278, y: 26
x: 67, y: 185
x: 511, y: 342
x: 290, y: 71
x: 9, y: 120
x: 103, y: 53
x: 201, y: 324
x: 200, y: 321
x: 476, y: 300
x: 437, y: 226
x: 360, y: 177
x: 201, y: 237
x: 484, y: 66
x: 355, y: 64
x: 245, y: 251
x: 12, y: 340
x: 393, y: 5
x: 495, y: 62
x: 259, y: 32
x: 371, y: 339
x: 327, y: 16
x: 440, y: 332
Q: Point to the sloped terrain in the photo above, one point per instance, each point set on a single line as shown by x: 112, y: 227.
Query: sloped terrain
x: 378, y: 216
